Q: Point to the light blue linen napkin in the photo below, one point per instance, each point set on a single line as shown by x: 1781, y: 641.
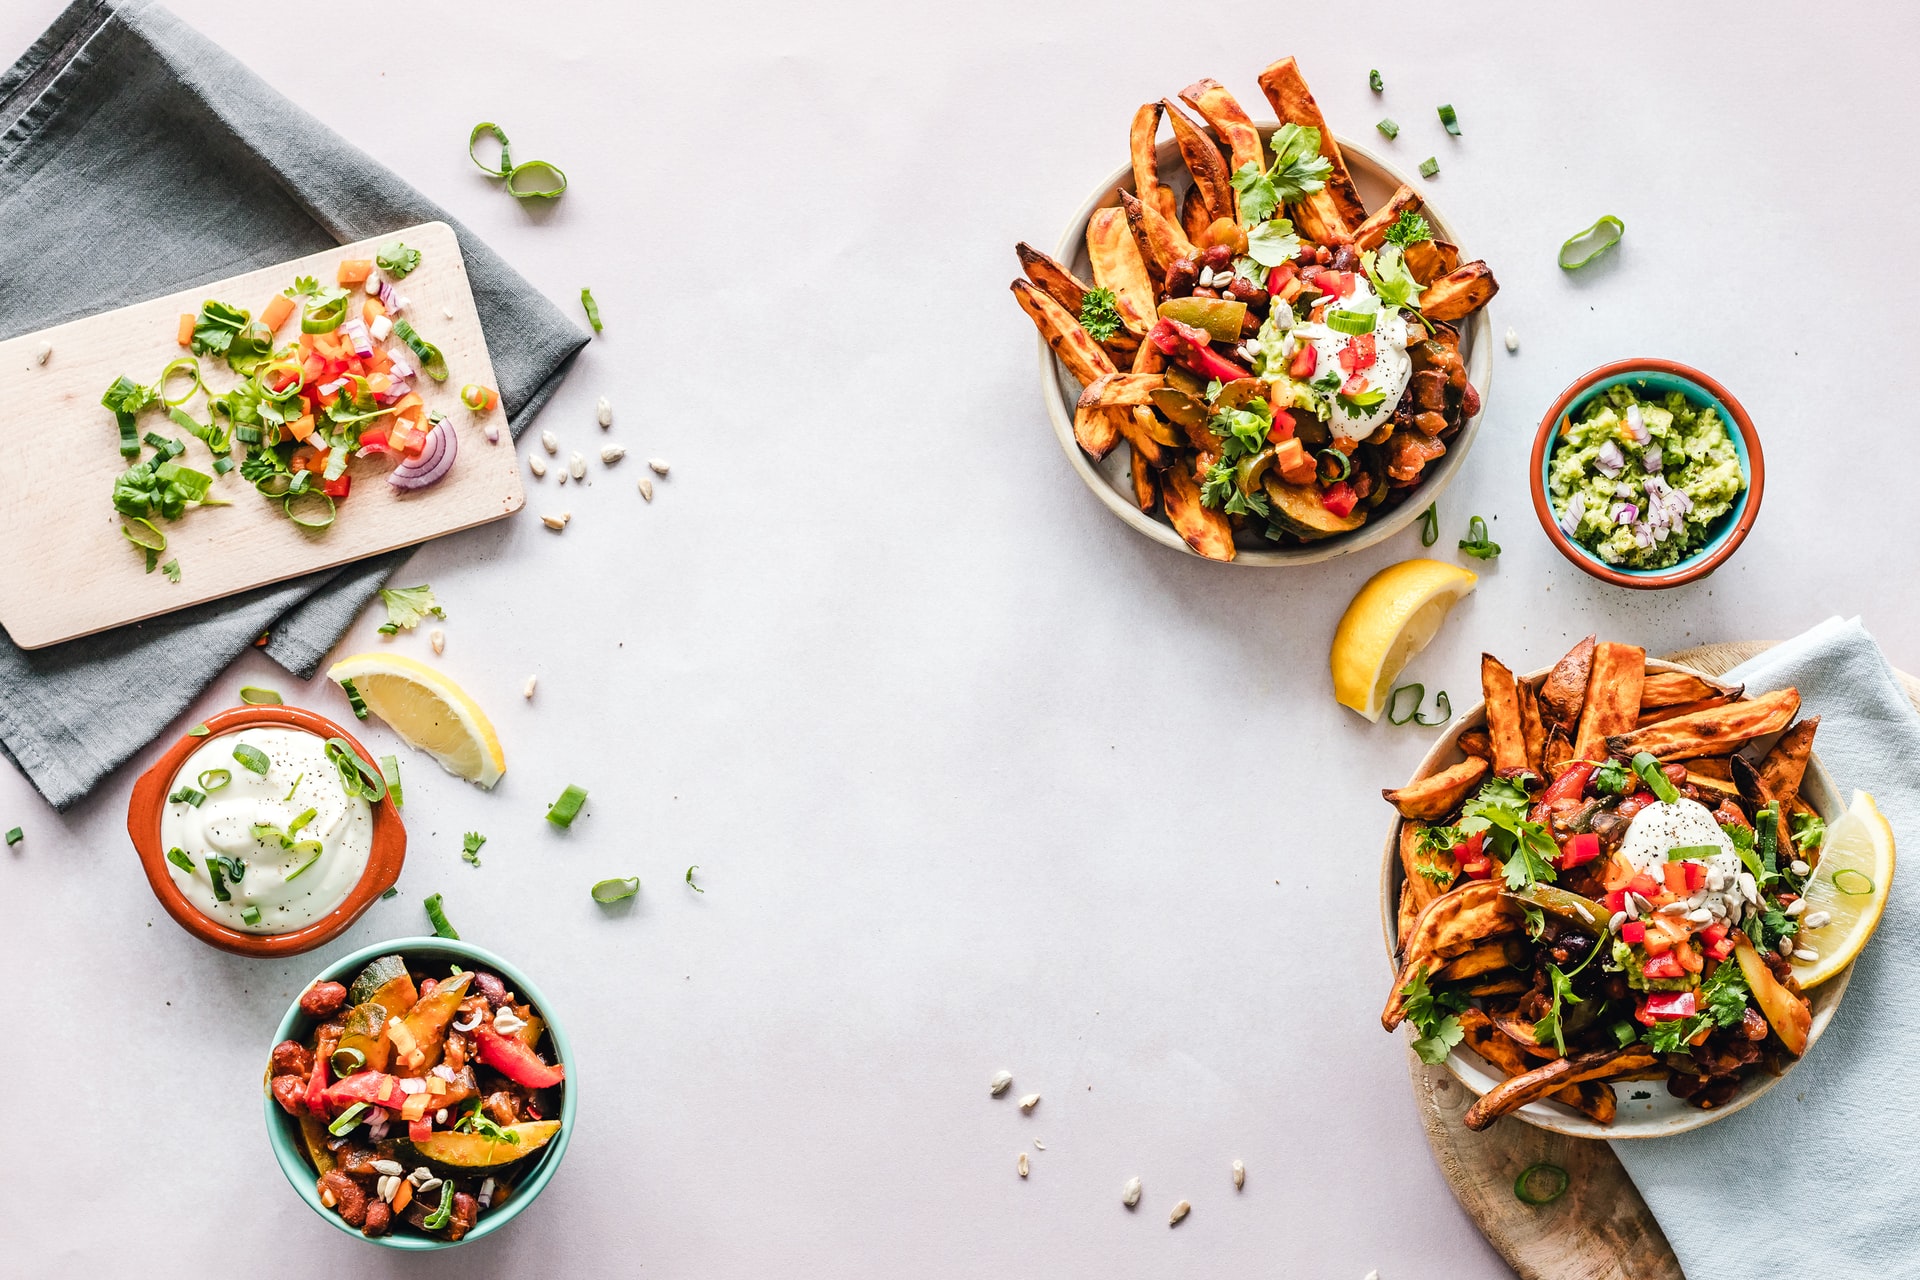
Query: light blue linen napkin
x: 1819, y: 1178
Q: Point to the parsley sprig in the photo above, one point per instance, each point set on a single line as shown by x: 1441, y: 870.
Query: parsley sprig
x: 1722, y: 1000
x: 1100, y: 314
x: 1524, y: 849
x: 1242, y: 433
x: 1410, y: 229
x: 1435, y: 1015
x: 1298, y: 170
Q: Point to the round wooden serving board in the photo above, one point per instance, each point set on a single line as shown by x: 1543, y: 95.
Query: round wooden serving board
x: 1600, y: 1229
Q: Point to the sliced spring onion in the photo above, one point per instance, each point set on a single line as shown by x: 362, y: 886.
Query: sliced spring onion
x: 1693, y: 852
x: 441, y: 929
x: 506, y: 149
x: 253, y: 758
x: 1556, y: 1178
x: 391, y: 892
x: 1866, y: 881
x: 246, y: 434
x: 308, y: 517
x: 1442, y: 707
x: 198, y: 731
x: 564, y: 810
x: 312, y: 849
x: 1476, y: 543
x: 214, y: 874
x: 1374, y: 82
x: 537, y: 168
x: 1596, y: 240
x: 475, y: 397
x: 1430, y: 525
x: 690, y: 884
x: 305, y: 816
x: 255, y: 696
x: 250, y: 914
x: 593, y: 309
x: 179, y: 858
x: 431, y: 361
x: 357, y: 775
x: 129, y: 435
x: 1429, y: 167
x: 438, y: 1218
x: 1352, y: 322
x: 354, y: 700
x: 142, y: 533
x: 390, y: 770
x: 346, y: 1061
x: 1332, y: 466
x: 1656, y: 778
x: 267, y: 831
x: 187, y: 795
x: 187, y: 365
x: 1389, y: 128
x: 275, y: 484
x: 1449, y: 120
x: 328, y: 315
x: 618, y: 890
x: 214, y: 779
x: 297, y: 780
x: 343, y: 1124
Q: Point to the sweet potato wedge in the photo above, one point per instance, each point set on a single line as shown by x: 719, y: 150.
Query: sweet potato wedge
x: 1229, y: 120
x: 1656, y: 715
x: 1519, y: 1032
x: 1564, y: 692
x: 1785, y: 765
x: 1193, y: 214
x: 1146, y: 487
x: 1084, y: 358
x: 1533, y: 731
x: 1450, y: 926
x: 1113, y: 390
x: 1430, y: 259
x: 1203, y: 161
x: 1372, y: 233
x: 1137, y: 428
x: 1716, y: 731
x: 1142, y: 140
x: 1475, y: 742
x: 1512, y: 1094
x: 1429, y: 873
x: 1485, y: 958
x: 1558, y: 753
x: 1613, y: 697
x: 1671, y: 688
x: 1438, y: 794
x: 1053, y: 278
x: 1203, y: 528
x: 1330, y: 214
x: 1459, y: 293
x: 1503, y: 718
x: 1117, y: 265
x: 1161, y: 235
x: 1753, y: 789
x: 1097, y: 430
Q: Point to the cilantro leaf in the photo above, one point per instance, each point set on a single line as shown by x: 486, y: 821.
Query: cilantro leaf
x: 217, y: 327
x: 1298, y: 167
x: 1809, y: 831
x: 1273, y: 242
x: 1434, y: 1015
x: 1561, y: 989
x: 397, y: 260
x: 172, y: 569
x: 470, y: 847
x: 301, y: 287
x: 1387, y: 270
x: 1613, y: 778
x: 1525, y: 849
x: 1721, y: 1001
x: 1258, y: 198
x: 127, y: 396
x: 407, y: 606
x: 1410, y: 229
x: 1100, y: 314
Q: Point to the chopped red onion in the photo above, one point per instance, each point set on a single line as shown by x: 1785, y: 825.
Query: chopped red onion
x: 1650, y: 460
x: 1609, y: 460
x: 435, y: 460
x: 1681, y: 502
x: 400, y: 369
x: 328, y: 388
x: 356, y: 333
x: 395, y: 389
x: 1642, y: 536
x: 1570, y: 518
x: 390, y: 298
x: 1625, y: 513
x: 1637, y: 425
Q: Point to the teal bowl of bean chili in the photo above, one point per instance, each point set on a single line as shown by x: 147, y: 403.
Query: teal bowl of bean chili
x: 283, y: 1131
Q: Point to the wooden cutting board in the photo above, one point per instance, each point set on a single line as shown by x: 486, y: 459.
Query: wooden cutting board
x: 67, y: 570
x: 1600, y: 1229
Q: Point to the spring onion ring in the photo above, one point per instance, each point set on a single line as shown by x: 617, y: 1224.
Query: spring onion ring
x: 1429, y: 167
x: 147, y: 539
x: 346, y: 1061
x: 187, y: 795
x: 284, y: 362
x: 1523, y: 1188
x: 327, y: 316
x: 1862, y: 876
x: 354, y: 700
x: 357, y: 774
x: 252, y: 758
x: 1352, y: 322
x: 564, y: 810
x: 1477, y: 544
x: 1374, y: 82
x: 179, y: 858
x: 474, y: 396
x: 187, y: 365
x: 250, y: 914
x: 1389, y: 128
x: 343, y: 1125
x: 506, y: 149
x: 254, y: 696
x: 1606, y: 233
x: 1430, y: 525
x: 441, y: 929
x: 308, y: 519
x: 592, y: 308
x: 390, y: 770
x: 617, y: 890
x: 1341, y: 466
x: 431, y: 361
x: 214, y: 779
x: 1655, y: 777
x: 312, y: 849
x: 1448, y: 120
x: 537, y: 167
x: 198, y: 731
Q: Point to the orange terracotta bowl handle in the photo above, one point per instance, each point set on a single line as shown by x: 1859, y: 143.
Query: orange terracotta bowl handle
x: 148, y: 804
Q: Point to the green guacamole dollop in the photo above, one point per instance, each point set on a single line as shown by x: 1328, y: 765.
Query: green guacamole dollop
x: 1695, y: 481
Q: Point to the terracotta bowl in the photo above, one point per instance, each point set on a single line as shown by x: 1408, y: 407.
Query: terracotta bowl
x: 149, y: 802
x: 1659, y: 1114
x: 1724, y: 536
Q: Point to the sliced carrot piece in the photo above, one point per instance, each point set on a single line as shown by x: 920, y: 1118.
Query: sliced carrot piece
x: 275, y: 313
x: 301, y: 427
x: 354, y: 270
x: 371, y: 308
x: 184, y: 332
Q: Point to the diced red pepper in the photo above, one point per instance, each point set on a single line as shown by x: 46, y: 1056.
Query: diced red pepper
x: 337, y: 488
x: 376, y: 1088
x: 1616, y: 901
x: 1570, y: 785
x: 1665, y: 965
x: 1667, y: 1006
x: 1644, y: 885
x: 317, y: 1086
x: 419, y: 1130
x: 1633, y: 931
x: 1305, y: 358
x: 1471, y: 854
x: 1282, y: 428
x: 1188, y: 346
x: 1675, y: 876
x: 1584, y: 847
x: 1278, y: 277
x: 1354, y: 385
x: 1696, y: 875
x: 1364, y: 351
x: 1339, y: 498
x: 373, y: 440
x: 514, y: 1060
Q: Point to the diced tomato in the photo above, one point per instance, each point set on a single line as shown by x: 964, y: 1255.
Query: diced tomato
x: 1675, y: 875
x: 317, y: 1086
x: 1354, y: 386
x: 419, y: 1130
x: 1633, y: 931
x: 374, y: 440
x: 1363, y: 352
x: 1644, y: 885
x: 1666, y: 1006
x: 1720, y: 950
x: 512, y: 1059
x: 1579, y: 849
x: 1282, y: 428
x: 1339, y: 498
x: 1666, y: 965
x: 1696, y: 873
x: 1616, y: 901
x: 337, y: 488
x: 376, y: 1088
x: 1280, y: 275
x: 1305, y: 358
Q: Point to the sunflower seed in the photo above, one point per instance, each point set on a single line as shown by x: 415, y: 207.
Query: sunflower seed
x: 612, y: 454
x: 1700, y: 916
x: 557, y: 522
x: 431, y: 1185
x: 420, y: 1175
x: 1806, y: 953
x: 1630, y: 907
x: 387, y: 1187
x: 1205, y: 280
x: 1784, y: 946
x: 1614, y: 921
x: 1180, y: 1211
x: 1001, y: 1082
x: 1795, y: 907
x: 440, y: 1116
x: 1029, y: 1102
x: 562, y: 473
x: 388, y: 1166
x: 646, y: 488
x: 1749, y: 887
x: 1021, y: 1164
x: 41, y: 351
x: 438, y: 639
x: 659, y: 465
x: 1645, y: 906
x: 1513, y: 339
x: 604, y: 410
x: 1798, y: 867
x: 1239, y: 1175
x: 528, y: 691
x: 537, y: 465
x: 1039, y: 1145
x: 1130, y: 1194
x: 1815, y: 919
x: 549, y: 442
x: 1715, y: 881
x: 577, y: 465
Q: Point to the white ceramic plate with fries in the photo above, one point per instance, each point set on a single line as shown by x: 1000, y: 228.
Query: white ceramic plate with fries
x: 1659, y: 1113
x: 1373, y: 194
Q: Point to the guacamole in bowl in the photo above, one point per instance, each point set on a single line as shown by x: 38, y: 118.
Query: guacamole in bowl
x: 1639, y: 481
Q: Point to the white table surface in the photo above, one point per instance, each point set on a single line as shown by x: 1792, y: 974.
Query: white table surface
x: 975, y: 777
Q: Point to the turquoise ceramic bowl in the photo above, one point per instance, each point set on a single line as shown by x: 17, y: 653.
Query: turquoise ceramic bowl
x: 1655, y: 378
x: 284, y: 1132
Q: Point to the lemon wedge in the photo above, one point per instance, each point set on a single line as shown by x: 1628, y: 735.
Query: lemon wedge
x: 1392, y: 618
x: 1847, y: 893
x: 429, y: 711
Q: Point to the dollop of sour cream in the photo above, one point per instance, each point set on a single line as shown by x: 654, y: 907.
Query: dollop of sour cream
x: 288, y: 887
x: 1661, y: 826
x: 1389, y: 371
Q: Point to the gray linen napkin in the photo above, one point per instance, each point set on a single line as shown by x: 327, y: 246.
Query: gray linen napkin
x: 1817, y: 1178
x: 136, y: 157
